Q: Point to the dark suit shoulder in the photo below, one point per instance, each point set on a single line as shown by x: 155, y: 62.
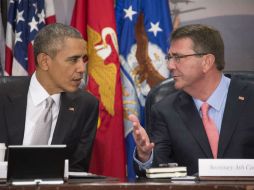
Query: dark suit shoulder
x: 170, y: 99
x: 14, y: 81
x: 14, y: 85
x: 238, y: 85
x: 81, y: 95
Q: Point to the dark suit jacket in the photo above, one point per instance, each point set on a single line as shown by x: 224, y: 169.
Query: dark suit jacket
x: 179, y: 135
x: 76, y: 128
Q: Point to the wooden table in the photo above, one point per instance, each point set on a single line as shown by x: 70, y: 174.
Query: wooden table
x: 102, y: 184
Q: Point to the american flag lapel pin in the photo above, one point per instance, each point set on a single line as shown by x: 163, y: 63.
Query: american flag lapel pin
x: 241, y: 98
x: 71, y: 109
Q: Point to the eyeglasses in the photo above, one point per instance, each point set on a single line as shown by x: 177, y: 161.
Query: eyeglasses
x: 177, y: 58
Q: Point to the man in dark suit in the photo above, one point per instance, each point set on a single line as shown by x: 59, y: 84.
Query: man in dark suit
x: 60, y: 56
x: 179, y: 130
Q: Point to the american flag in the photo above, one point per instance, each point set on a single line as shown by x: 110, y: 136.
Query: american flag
x: 25, y: 19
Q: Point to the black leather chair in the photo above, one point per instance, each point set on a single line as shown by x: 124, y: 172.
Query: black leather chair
x: 166, y: 88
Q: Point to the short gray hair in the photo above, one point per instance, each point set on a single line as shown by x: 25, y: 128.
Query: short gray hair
x: 51, y: 37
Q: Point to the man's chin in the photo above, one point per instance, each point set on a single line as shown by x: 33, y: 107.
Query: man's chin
x: 178, y: 86
x: 72, y: 88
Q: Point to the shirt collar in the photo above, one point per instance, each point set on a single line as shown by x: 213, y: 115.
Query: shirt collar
x: 39, y: 94
x: 217, y: 97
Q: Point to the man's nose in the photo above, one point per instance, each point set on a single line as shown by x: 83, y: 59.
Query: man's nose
x: 171, y: 64
x: 82, y: 66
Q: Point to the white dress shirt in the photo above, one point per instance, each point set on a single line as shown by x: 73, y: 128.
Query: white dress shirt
x: 35, y: 105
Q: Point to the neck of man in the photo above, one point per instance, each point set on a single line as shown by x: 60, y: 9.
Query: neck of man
x: 205, y: 87
x: 46, y: 82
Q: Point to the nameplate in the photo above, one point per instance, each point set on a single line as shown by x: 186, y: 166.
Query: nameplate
x: 226, y: 167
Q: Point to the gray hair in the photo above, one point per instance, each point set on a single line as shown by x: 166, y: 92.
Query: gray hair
x: 51, y: 37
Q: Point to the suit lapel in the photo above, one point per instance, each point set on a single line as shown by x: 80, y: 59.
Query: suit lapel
x: 234, y: 104
x: 16, y: 108
x: 189, y: 114
x: 67, y: 111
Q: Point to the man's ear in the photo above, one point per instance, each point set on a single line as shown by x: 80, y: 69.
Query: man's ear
x: 43, y: 61
x: 208, y: 62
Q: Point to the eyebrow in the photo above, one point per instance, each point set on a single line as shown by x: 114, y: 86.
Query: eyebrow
x: 174, y: 54
x: 177, y: 54
x: 74, y: 57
